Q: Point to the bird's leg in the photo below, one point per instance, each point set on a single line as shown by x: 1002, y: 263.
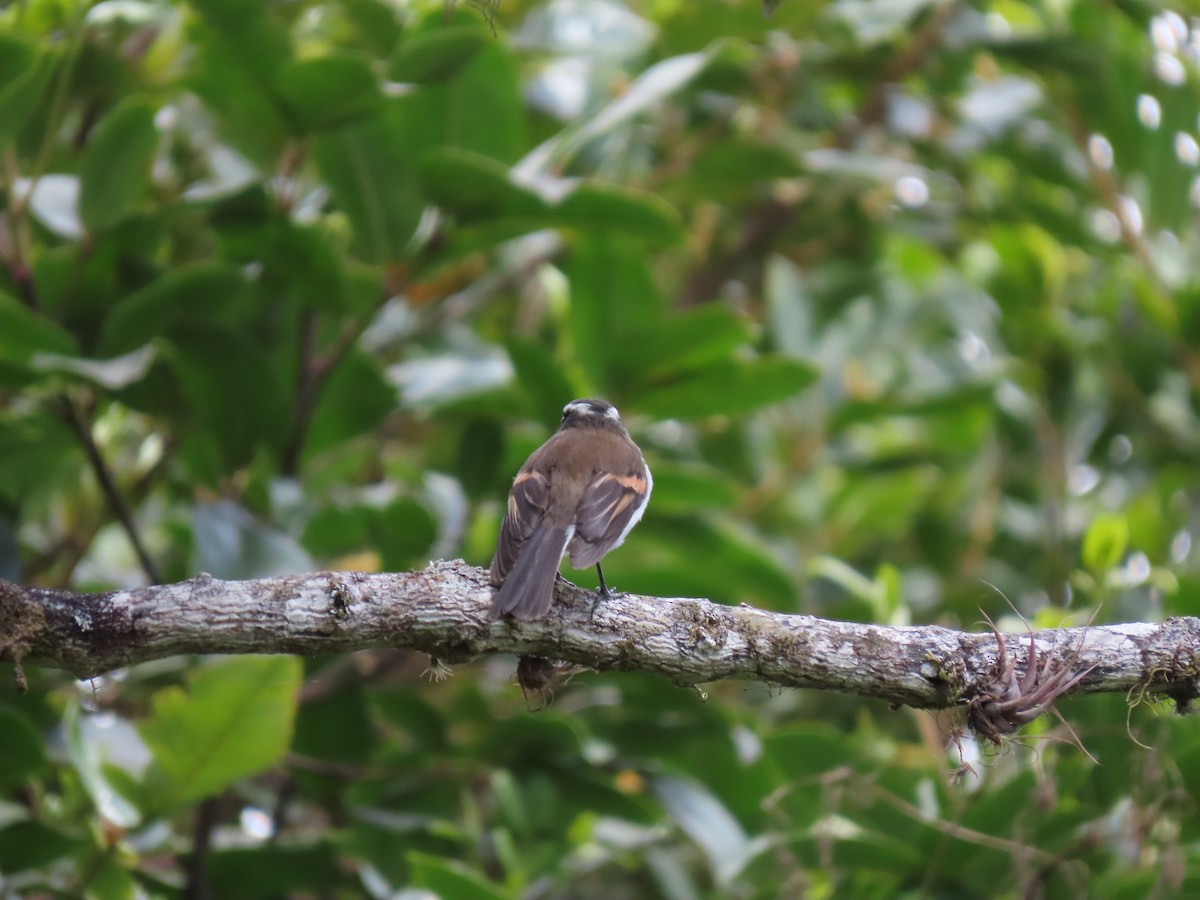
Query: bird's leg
x: 602, y: 593
x: 603, y: 590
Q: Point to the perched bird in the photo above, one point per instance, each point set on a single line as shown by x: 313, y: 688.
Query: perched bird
x: 578, y: 494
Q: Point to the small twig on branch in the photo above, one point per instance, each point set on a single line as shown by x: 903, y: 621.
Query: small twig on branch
x: 443, y: 611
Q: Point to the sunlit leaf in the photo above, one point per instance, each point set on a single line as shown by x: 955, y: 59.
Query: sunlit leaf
x: 1104, y: 542
x: 232, y: 719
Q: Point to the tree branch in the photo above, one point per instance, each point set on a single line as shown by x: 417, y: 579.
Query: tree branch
x: 108, y: 485
x: 443, y: 610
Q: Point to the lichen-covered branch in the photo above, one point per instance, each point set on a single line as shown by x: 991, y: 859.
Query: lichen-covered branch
x: 443, y: 610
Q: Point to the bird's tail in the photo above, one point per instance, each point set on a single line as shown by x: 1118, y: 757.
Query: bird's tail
x: 529, y: 587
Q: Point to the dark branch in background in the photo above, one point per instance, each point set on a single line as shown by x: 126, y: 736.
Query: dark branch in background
x: 108, y: 485
x: 311, y: 376
x: 65, y: 553
x: 196, y: 887
x: 443, y: 611
x: 305, y: 400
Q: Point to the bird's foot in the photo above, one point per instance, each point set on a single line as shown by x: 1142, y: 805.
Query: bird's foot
x: 604, y: 592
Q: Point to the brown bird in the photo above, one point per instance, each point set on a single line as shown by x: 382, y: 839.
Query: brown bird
x: 578, y: 494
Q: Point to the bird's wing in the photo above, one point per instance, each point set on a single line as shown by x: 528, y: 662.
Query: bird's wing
x: 611, y: 505
x: 527, y: 504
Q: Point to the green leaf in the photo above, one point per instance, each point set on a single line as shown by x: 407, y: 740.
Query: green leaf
x: 22, y: 750
x: 437, y: 54
x: 336, y: 726
x: 637, y: 214
x: 728, y: 388
x: 683, y: 487
x: 24, y: 333
x: 110, y: 880
x: 789, y: 309
x: 734, y: 166
x: 25, y: 73
x: 481, y: 192
x: 215, y: 364
x: 542, y: 379
x: 683, y: 341
x: 477, y: 188
x: 355, y: 400
x: 232, y: 719
x: 411, y: 713
x: 30, y: 845
x: 274, y: 871
x: 702, y: 816
x: 737, y: 567
x: 327, y: 91
x: 376, y: 24
x: 650, y: 88
x: 257, y: 41
x: 404, y: 532
x: 253, y: 118
x: 1105, y: 542
x: 34, y: 450
x: 480, y: 109
x: 613, y: 298
x: 296, y: 260
x: 480, y: 452
x: 115, y: 173
x: 369, y: 166
x: 806, y: 748
x: 336, y: 531
x: 88, y: 759
x: 231, y: 543
x: 189, y: 293
x: 450, y: 878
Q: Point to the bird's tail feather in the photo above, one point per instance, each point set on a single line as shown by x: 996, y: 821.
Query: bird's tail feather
x: 529, y: 587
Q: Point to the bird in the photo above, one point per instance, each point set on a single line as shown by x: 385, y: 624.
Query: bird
x: 577, y: 495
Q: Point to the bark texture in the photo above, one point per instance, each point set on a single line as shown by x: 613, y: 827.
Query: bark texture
x: 443, y: 610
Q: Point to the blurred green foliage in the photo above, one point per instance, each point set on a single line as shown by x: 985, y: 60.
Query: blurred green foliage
x: 898, y: 297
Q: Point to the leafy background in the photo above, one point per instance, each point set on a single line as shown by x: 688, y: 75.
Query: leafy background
x: 897, y: 296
